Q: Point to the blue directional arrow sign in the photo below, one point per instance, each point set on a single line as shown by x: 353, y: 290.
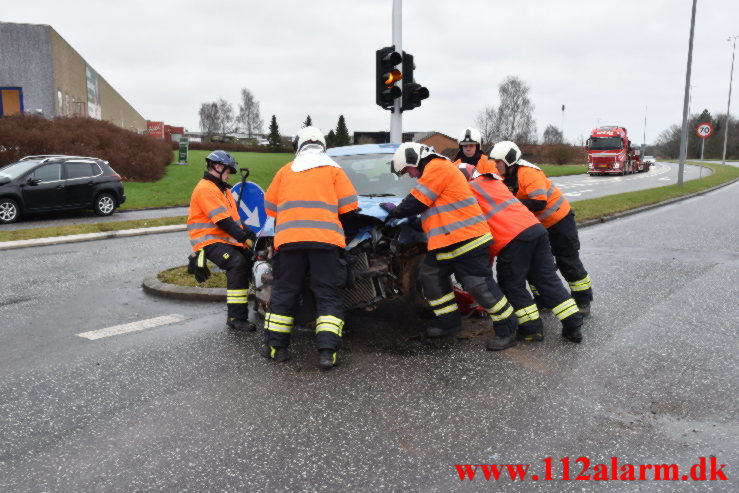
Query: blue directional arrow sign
x: 251, y: 208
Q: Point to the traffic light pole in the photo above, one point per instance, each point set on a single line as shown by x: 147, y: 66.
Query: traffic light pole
x: 396, y: 118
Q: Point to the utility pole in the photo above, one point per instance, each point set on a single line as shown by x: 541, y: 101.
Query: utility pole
x: 562, y: 128
x: 396, y: 116
x: 644, y: 139
x: 728, y: 105
x: 684, y: 133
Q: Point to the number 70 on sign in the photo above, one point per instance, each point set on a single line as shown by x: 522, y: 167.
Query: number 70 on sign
x: 704, y: 130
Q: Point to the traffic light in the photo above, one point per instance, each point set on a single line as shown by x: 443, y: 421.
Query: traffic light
x: 386, y: 92
x: 413, y: 93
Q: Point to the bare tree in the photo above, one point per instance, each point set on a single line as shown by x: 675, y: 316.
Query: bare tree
x: 552, y: 135
x: 486, y: 122
x: 515, y: 113
x: 225, y: 117
x: 208, y: 119
x: 249, y: 116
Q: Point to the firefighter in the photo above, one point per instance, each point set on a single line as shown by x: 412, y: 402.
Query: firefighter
x: 458, y: 241
x: 312, y: 200
x: 521, y: 246
x: 470, y: 151
x: 216, y: 233
x: 531, y: 186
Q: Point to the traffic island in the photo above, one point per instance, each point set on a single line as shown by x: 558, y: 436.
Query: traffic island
x: 176, y: 283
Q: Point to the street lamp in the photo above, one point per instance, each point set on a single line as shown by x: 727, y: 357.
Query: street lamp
x: 684, y: 132
x: 728, y: 105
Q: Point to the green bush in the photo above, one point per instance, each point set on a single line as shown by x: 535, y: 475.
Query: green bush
x: 133, y: 156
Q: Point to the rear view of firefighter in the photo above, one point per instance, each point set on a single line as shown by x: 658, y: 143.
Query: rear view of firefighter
x: 532, y: 187
x: 216, y: 234
x: 521, y: 246
x: 311, y: 199
x: 470, y: 151
x: 458, y: 242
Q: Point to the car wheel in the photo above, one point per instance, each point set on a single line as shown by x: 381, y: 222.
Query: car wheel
x: 104, y: 204
x: 9, y: 211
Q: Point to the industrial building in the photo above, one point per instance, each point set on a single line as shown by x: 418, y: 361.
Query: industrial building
x: 40, y: 73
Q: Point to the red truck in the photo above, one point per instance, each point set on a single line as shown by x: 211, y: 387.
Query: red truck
x: 610, y: 153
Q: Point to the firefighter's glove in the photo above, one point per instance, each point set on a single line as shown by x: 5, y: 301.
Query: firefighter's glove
x: 198, y: 267
x: 248, y: 238
x: 389, y: 207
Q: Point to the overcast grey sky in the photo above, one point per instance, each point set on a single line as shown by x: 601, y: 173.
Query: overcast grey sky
x: 606, y: 61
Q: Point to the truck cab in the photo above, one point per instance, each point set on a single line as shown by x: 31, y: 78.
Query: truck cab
x: 610, y: 152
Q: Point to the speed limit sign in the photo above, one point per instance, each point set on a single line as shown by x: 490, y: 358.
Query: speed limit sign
x: 704, y: 130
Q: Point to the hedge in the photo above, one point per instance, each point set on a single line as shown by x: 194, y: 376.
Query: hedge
x: 135, y: 157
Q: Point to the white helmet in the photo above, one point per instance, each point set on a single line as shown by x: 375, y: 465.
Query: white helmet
x: 409, y: 154
x: 506, y: 151
x: 470, y: 136
x: 309, y: 134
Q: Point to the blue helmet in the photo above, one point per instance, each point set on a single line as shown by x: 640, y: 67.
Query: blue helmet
x: 221, y: 157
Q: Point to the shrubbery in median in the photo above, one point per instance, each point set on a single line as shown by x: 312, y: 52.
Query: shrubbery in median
x: 133, y: 156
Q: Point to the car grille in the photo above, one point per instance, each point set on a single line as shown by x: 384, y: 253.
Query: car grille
x: 363, y: 291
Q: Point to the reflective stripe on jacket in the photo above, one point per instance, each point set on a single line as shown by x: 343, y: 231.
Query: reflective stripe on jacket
x: 208, y: 205
x: 306, y: 204
x: 534, y: 184
x: 453, y: 214
x: 506, y: 216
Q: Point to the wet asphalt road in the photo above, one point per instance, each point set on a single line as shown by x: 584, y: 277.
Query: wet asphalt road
x: 190, y: 406
x: 575, y: 187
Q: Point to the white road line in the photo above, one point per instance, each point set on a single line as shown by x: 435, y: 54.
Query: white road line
x: 115, y: 330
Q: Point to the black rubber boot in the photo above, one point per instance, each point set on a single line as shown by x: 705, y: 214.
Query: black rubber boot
x: 435, y: 332
x: 244, y: 325
x: 498, y: 343
x: 530, y: 337
x: 278, y: 354
x: 326, y: 358
x: 584, y: 307
x: 573, y: 334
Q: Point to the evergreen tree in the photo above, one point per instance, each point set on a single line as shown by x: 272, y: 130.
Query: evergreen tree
x: 308, y: 122
x: 331, y: 139
x: 273, y: 139
x: 342, y: 133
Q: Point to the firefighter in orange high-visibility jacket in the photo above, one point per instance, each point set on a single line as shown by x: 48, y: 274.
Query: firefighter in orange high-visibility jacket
x: 312, y: 201
x: 470, y: 151
x: 532, y: 187
x: 521, y: 248
x: 458, y: 243
x: 216, y: 233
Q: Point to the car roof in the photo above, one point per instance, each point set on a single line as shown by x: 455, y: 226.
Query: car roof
x: 363, y: 149
x: 58, y: 156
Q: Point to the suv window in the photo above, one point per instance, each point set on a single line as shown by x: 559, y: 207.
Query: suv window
x: 78, y: 170
x: 48, y: 172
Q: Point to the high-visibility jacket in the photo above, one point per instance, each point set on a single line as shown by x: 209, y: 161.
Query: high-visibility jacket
x: 534, y: 184
x: 453, y: 214
x: 506, y: 216
x: 208, y: 205
x: 306, y: 204
x: 484, y: 164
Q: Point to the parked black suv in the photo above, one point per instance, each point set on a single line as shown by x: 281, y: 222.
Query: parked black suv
x: 53, y: 183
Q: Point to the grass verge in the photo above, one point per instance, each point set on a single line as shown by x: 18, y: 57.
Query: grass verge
x: 177, y: 185
x: 606, y: 206
x: 564, y: 169
x: 78, y: 229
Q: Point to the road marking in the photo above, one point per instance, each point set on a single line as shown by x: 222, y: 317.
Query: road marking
x: 116, y: 330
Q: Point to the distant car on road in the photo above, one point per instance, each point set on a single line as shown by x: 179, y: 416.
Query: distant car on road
x: 55, y: 182
x: 649, y: 159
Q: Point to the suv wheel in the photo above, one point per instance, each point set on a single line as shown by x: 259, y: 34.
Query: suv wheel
x: 9, y: 211
x: 104, y: 204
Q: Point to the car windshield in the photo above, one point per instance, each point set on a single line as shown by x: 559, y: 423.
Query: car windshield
x: 605, y: 143
x: 15, y: 170
x: 370, y: 174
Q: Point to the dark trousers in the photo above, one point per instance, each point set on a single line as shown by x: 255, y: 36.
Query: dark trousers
x: 565, y: 247
x: 528, y: 256
x: 237, y: 264
x: 327, y: 271
x: 472, y: 269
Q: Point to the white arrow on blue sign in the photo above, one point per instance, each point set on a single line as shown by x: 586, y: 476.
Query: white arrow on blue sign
x: 251, y: 208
